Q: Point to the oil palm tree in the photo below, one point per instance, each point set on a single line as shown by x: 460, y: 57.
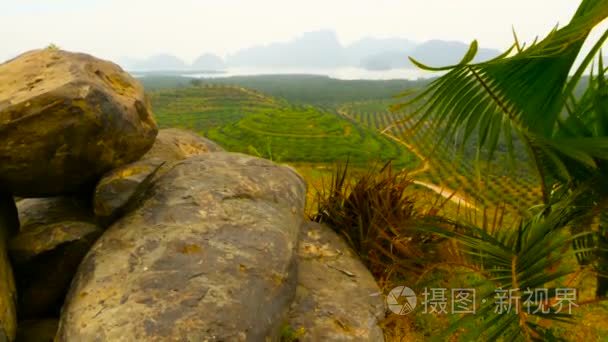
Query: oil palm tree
x: 532, y: 94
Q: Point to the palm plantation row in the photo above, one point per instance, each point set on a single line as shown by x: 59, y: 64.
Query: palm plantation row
x: 487, y: 184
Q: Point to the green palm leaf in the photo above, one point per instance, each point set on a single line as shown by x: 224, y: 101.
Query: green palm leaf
x: 523, y: 94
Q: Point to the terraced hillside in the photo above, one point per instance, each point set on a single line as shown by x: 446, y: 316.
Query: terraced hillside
x: 247, y: 121
x: 491, y: 184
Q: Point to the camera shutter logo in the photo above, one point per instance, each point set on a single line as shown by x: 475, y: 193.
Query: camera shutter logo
x: 401, y: 300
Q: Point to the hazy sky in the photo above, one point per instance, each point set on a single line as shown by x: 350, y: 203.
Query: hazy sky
x: 188, y: 28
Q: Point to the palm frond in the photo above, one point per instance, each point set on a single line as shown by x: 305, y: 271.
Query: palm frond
x: 524, y: 93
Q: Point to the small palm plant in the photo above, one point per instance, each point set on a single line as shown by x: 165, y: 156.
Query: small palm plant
x: 521, y: 268
x: 530, y: 94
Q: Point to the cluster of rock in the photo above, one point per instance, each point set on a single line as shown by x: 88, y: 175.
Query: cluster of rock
x: 111, y: 230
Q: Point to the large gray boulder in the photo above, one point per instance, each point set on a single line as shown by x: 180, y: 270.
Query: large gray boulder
x: 210, y: 255
x: 56, y: 233
x: 65, y: 120
x: 337, y: 297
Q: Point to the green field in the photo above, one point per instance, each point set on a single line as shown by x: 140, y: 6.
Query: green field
x: 311, y: 120
x: 247, y: 121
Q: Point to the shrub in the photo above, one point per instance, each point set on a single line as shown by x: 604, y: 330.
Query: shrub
x: 376, y: 214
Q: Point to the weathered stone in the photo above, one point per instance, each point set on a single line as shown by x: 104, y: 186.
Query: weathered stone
x: 120, y: 188
x: 337, y: 297
x: 43, y: 330
x: 66, y: 119
x: 55, y: 235
x: 9, y: 224
x: 174, y: 144
x: 208, y: 256
x: 117, y: 190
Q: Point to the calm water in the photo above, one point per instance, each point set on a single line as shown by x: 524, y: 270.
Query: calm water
x: 338, y: 73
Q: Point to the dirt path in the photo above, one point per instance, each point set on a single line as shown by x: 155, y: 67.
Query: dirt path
x: 426, y: 166
x: 447, y: 193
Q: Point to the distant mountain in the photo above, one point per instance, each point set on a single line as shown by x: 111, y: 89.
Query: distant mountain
x: 208, y: 62
x: 162, y: 62
x: 167, y: 62
x: 432, y: 53
x: 362, y: 49
x: 320, y: 49
x: 441, y: 53
x: 387, y: 60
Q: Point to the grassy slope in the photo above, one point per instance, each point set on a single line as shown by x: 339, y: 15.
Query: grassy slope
x: 246, y: 121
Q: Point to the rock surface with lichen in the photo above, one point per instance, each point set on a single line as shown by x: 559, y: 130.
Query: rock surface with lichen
x: 209, y: 255
x: 337, y: 297
x: 66, y: 119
